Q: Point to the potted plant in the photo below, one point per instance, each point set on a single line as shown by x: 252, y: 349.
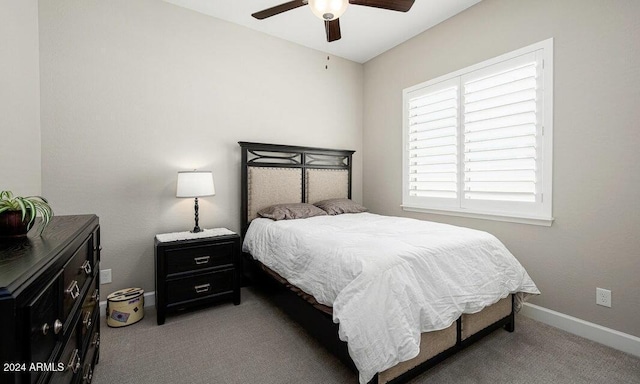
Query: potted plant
x: 17, y: 214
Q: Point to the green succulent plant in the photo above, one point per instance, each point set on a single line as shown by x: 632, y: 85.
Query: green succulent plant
x: 29, y: 206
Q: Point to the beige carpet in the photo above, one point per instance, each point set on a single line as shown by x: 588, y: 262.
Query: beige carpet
x: 256, y: 343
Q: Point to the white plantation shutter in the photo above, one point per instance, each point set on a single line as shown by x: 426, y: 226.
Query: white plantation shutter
x: 432, y: 154
x: 432, y: 143
x: 501, y: 132
x: 478, y: 142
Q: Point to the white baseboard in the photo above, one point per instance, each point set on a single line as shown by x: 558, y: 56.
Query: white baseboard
x: 149, y: 301
x: 603, y: 335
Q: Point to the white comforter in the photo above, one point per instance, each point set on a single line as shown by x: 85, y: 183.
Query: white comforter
x: 388, y: 278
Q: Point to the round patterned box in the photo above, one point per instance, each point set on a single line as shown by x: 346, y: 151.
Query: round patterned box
x: 125, y: 307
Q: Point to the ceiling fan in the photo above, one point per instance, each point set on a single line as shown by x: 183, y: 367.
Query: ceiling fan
x: 331, y: 10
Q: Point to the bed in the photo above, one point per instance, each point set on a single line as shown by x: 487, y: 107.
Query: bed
x: 279, y: 174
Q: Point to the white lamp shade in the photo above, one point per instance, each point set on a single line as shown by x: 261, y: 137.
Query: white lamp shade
x: 195, y: 184
x: 328, y: 9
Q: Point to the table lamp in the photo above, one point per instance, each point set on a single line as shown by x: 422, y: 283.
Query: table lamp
x: 195, y: 184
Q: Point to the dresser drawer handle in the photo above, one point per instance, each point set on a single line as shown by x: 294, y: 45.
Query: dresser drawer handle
x: 87, y: 320
x: 45, y: 329
x: 88, y: 376
x: 57, y: 326
x: 96, y: 295
x: 74, y: 362
x: 201, y: 260
x: 87, y: 267
x: 202, y: 288
x: 73, y: 290
x: 96, y: 340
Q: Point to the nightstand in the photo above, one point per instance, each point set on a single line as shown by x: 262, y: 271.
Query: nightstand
x: 193, y: 272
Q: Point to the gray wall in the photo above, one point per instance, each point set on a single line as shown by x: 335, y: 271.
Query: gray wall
x: 134, y: 91
x: 594, y: 241
x: 19, y: 98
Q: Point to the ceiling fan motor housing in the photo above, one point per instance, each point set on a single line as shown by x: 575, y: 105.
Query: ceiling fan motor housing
x: 328, y: 9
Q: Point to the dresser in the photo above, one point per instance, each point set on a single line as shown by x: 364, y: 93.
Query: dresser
x: 49, y: 303
x: 196, y: 272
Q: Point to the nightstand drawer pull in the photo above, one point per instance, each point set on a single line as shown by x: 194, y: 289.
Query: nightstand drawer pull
x: 73, y: 290
x: 202, y: 288
x: 201, y: 260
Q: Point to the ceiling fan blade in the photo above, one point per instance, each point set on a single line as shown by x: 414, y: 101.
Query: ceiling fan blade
x: 333, y: 30
x: 393, y: 5
x: 279, y: 9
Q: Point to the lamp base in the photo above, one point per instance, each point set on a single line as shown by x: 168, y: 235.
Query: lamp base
x: 196, y: 229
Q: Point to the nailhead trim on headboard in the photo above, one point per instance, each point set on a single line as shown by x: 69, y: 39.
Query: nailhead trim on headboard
x: 323, y: 184
x: 270, y: 186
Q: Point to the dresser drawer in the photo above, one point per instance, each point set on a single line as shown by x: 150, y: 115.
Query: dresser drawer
x: 88, y: 313
x: 71, y: 358
x: 42, y: 316
x: 200, y: 286
x: 90, y: 357
x: 77, y: 272
x: 96, y: 248
x: 200, y: 257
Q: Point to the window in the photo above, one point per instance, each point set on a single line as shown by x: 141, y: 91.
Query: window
x: 478, y: 142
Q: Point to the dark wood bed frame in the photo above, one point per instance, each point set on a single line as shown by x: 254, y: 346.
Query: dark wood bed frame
x: 319, y: 324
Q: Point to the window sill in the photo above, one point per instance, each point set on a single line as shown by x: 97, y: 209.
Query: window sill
x: 531, y: 220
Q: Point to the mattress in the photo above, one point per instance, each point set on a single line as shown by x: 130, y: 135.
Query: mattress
x: 388, y: 279
x: 304, y: 295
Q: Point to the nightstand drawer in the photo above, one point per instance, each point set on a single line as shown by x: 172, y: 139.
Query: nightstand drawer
x: 199, y: 257
x: 200, y: 286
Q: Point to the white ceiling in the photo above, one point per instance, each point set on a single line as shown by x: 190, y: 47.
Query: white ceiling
x: 366, y: 32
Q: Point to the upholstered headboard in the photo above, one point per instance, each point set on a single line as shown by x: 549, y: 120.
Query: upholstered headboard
x: 277, y: 174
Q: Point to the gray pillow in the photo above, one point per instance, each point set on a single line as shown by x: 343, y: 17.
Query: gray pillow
x: 340, y: 206
x: 291, y: 211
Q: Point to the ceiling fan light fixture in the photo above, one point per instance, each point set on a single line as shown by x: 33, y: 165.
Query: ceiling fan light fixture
x: 328, y: 9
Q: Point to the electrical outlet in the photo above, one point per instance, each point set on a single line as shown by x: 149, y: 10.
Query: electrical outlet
x: 105, y: 276
x: 603, y: 297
